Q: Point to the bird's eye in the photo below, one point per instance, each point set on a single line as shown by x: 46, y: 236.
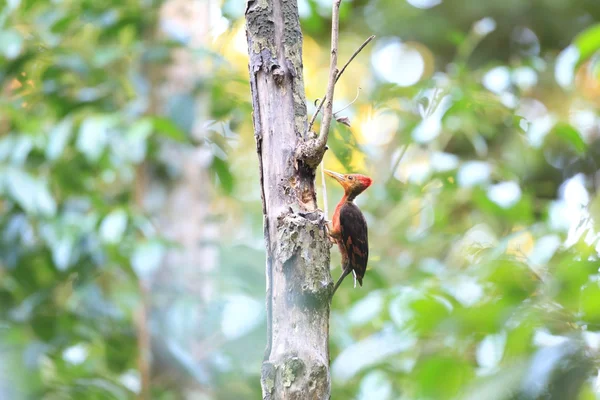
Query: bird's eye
x: 351, y: 178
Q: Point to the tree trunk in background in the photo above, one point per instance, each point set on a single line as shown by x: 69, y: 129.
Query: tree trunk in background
x: 296, y: 364
x: 186, y: 210
x: 182, y: 287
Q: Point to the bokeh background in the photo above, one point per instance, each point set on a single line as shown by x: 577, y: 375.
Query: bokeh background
x: 131, y: 250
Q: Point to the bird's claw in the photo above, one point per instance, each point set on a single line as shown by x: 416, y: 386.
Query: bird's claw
x: 328, y: 229
x: 322, y: 216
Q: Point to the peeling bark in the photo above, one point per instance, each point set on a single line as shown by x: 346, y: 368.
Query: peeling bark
x: 296, y: 363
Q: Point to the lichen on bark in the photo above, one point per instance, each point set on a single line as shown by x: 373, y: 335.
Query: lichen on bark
x: 293, y: 55
x: 292, y: 368
x: 306, y: 240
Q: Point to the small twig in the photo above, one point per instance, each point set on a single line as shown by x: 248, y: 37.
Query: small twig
x: 397, y: 162
x: 427, y: 113
x: 349, y: 104
x: 362, y: 46
x: 325, y: 207
x: 435, y: 99
x: 312, y: 120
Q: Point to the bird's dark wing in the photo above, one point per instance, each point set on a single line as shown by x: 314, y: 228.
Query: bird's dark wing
x: 355, y: 239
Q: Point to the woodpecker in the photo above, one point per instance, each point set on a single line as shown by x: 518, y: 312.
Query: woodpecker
x: 348, y: 227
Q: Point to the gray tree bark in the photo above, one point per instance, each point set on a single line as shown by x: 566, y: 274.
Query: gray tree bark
x: 296, y: 364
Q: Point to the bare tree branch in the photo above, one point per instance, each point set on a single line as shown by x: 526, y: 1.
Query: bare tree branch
x: 349, y: 104
x: 362, y: 46
x: 333, y: 74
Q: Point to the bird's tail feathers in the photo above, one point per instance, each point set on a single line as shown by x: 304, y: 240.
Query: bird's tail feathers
x: 357, y: 278
x: 339, y: 281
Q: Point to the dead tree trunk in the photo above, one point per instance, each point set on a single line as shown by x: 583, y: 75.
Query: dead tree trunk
x: 296, y: 364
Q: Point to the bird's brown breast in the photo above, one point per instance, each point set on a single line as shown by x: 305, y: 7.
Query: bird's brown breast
x: 354, y: 243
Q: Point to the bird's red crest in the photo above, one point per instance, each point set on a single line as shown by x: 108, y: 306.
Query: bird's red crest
x: 365, y: 180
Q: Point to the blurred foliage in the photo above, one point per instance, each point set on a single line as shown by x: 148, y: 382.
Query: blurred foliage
x: 73, y: 131
x: 484, y: 215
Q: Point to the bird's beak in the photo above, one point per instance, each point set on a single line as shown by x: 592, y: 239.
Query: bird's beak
x: 338, y: 177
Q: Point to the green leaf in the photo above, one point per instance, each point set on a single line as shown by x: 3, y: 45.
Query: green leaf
x: 370, y: 351
x: 113, y: 226
x: 120, y: 350
x: 514, y: 280
x: 571, y: 135
x: 455, y: 372
x: 15, y: 148
x: 519, y: 213
x: 181, y: 109
x: 590, y: 303
x: 343, y: 143
x: 61, y: 245
x: 58, y: 139
x: 169, y: 129
x: 221, y: 168
x: 102, y: 388
x: 93, y: 136
x: 16, y: 66
x: 499, y: 386
x: 569, y: 277
x: 132, y: 145
x: 484, y: 318
x: 560, y: 370
x: 587, y: 42
x: 29, y: 192
x: 519, y: 340
x: 44, y: 324
x: 429, y: 312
